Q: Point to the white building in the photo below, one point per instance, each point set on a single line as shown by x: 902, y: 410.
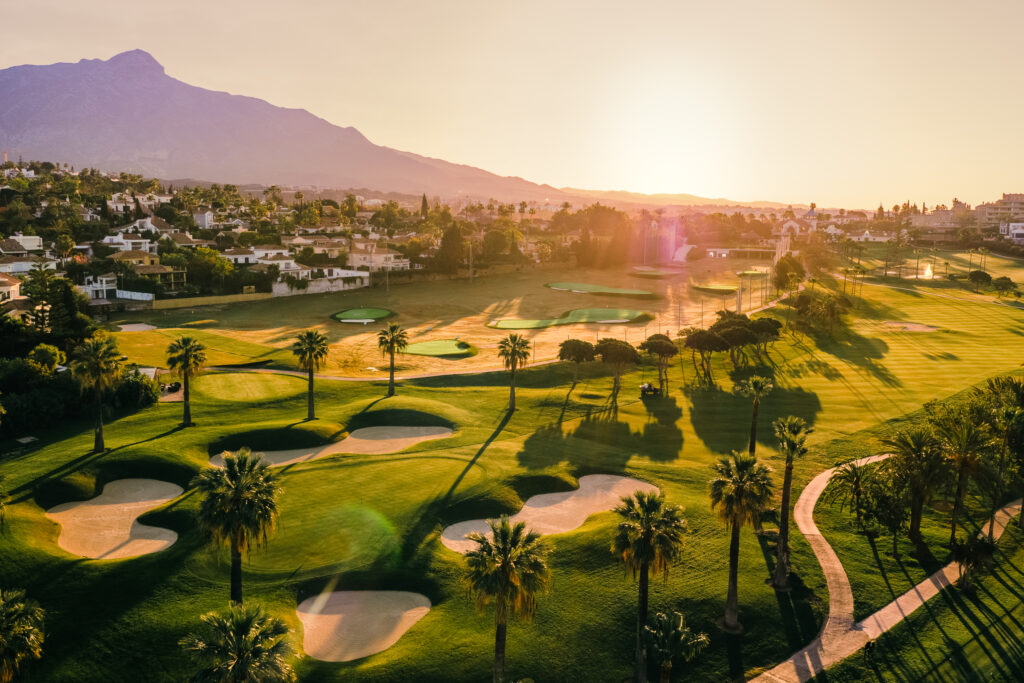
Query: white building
x: 1013, y: 232
x: 100, y: 286
x: 203, y: 219
x: 240, y: 256
x: 129, y: 242
x: 264, y: 250
x: 374, y: 259
x: 21, y: 265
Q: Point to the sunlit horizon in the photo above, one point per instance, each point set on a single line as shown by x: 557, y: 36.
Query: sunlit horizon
x: 795, y: 103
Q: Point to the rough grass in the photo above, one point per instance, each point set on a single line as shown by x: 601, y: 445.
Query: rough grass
x: 600, y: 289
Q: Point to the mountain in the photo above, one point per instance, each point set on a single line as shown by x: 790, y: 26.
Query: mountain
x: 127, y: 113
x: 674, y: 199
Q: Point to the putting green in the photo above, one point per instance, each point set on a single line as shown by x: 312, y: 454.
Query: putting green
x: 653, y: 272
x: 362, y: 315
x: 442, y: 348
x: 577, y: 315
x: 715, y: 290
x: 583, y: 288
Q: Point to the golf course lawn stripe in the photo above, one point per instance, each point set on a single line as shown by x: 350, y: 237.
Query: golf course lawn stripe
x: 584, y: 288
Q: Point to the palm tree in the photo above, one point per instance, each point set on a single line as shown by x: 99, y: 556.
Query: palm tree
x: 650, y: 538
x: 964, y: 443
x: 972, y: 556
x: 186, y: 356
x: 21, y: 632
x: 918, y: 463
x: 514, y: 350
x: 246, y: 644
x: 239, y: 507
x: 756, y: 387
x: 792, y: 434
x: 849, y: 487
x: 391, y: 340
x: 741, y: 491
x: 311, y: 349
x: 509, y: 570
x: 96, y: 366
x: 670, y: 638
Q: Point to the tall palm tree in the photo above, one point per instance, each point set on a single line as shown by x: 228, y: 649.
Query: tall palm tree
x: 918, y: 463
x: 670, y: 638
x: 246, y: 644
x: 21, y: 632
x: 792, y: 434
x: 649, y: 538
x: 514, y: 350
x: 741, y: 491
x: 964, y: 443
x: 96, y: 366
x: 509, y: 569
x: 239, y: 507
x: 186, y: 356
x: 391, y: 340
x: 756, y: 388
x: 310, y: 348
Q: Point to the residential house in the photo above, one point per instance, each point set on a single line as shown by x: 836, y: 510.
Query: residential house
x: 129, y: 242
x: 1009, y: 209
x: 171, y: 278
x: 184, y: 240
x: 203, y: 219
x: 10, y: 287
x: 29, y: 242
x: 136, y: 258
x: 12, y: 247
x: 264, y: 250
x: 12, y: 303
x: 20, y: 265
x: 151, y: 224
x: 1013, y: 232
x: 100, y: 286
x: 374, y: 259
x: 240, y: 256
x: 286, y: 265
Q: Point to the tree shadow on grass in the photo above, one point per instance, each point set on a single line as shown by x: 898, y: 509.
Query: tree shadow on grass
x: 721, y: 419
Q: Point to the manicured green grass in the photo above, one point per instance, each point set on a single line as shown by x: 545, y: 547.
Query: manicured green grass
x: 577, y: 315
x: 149, y: 348
x: 360, y: 314
x: 653, y: 272
x: 444, y: 348
x: 600, y: 289
x: 373, y: 521
x: 717, y: 290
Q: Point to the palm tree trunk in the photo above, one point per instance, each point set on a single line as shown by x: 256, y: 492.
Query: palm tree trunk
x: 97, y: 442
x: 895, y: 547
x: 512, y: 390
x: 391, y: 377
x: 186, y: 418
x: 310, y: 412
x: 640, y: 666
x: 753, y: 429
x: 236, y: 573
x: 782, y: 548
x: 499, y: 652
x: 957, y: 502
x: 916, y: 506
x: 732, y: 606
x: 666, y: 672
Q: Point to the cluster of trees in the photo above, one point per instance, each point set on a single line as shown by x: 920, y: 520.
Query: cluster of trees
x: 976, y: 443
x: 744, y: 339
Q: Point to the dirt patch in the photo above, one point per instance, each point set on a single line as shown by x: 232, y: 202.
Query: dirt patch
x: 105, y: 527
x: 365, y: 441
x: 552, y: 513
x: 347, y: 625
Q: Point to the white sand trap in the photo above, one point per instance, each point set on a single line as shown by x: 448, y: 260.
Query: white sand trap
x: 364, y: 321
x: 136, y: 327
x: 347, y: 625
x: 552, y: 513
x: 105, y: 528
x: 365, y: 441
x: 910, y: 327
x: 613, y: 321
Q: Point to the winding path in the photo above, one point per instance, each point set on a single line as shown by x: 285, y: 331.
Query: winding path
x: 841, y: 636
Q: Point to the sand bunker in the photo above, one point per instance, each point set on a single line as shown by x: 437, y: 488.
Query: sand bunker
x: 365, y: 441
x: 105, y: 528
x: 347, y: 625
x: 552, y: 513
x: 613, y: 321
x: 910, y: 327
x: 136, y: 327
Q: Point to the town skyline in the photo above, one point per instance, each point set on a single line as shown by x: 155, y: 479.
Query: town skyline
x: 652, y: 103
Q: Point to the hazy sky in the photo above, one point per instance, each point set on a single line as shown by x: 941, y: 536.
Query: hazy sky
x: 842, y: 103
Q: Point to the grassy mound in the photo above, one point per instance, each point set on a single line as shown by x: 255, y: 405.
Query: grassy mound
x: 361, y: 314
x: 715, y: 290
x: 408, y: 411
x: 397, y: 417
x: 280, y: 437
x: 442, y: 348
x: 577, y: 315
x: 247, y: 386
x: 600, y: 289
